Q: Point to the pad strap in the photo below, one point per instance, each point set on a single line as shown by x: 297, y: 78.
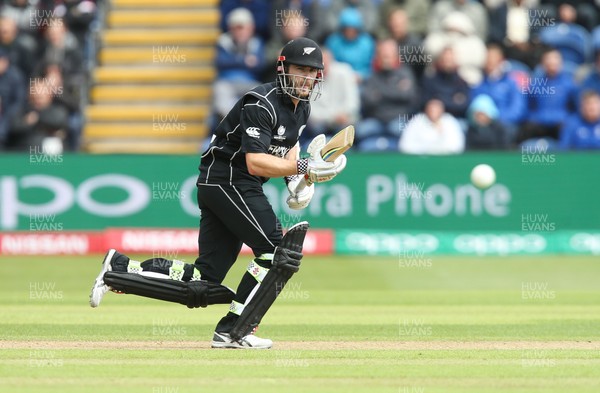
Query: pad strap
x: 236, y: 307
x: 257, y: 271
x: 196, y: 276
x: 134, y: 267
x: 176, y: 270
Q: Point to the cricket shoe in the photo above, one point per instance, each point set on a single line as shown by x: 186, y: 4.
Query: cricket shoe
x: 100, y: 289
x: 223, y: 340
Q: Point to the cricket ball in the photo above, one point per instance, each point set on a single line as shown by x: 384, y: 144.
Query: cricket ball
x: 483, y: 176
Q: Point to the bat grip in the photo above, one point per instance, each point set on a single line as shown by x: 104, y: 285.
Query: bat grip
x: 301, y: 186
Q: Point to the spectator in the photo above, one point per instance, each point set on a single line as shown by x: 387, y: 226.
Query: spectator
x: 459, y: 33
x: 240, y: 60
x: 444, y: 83
x: 21, y: 12
x: 433, y: 132
x: 586, y: 11
x: 351, y: 44
x: 39, y: 120
x: 310, y: 10
x: 292, y: 25
x: 367, y: 9
x: 551, y: 99
x: 571, y: 39
x: 67, y: 91
x: 259, y: 9
x: 78, y: 15
x: 21, y: 47
x: 511, y: 23
x: 389, y: 96
x: 498, y: 14
x: 592, y: 81
x: 471, y: 9
x: 582, y: 131
x: 485, y: 132
x: 12, y: 94
x: 497, y: 84
x: 567, y: 14
x: 410, y: 46
x: 60, y: 47
x: 417, y: 11
x: 339, y: 104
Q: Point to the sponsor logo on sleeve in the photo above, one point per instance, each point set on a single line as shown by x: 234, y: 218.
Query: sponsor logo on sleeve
x: 253, y: 132
x: 279, y: 151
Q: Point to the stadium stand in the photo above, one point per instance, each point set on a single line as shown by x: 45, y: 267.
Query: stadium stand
x: 145, y: 72
x: 152, y: 85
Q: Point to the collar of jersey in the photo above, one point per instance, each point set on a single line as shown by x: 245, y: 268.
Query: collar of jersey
x: 287, y: 100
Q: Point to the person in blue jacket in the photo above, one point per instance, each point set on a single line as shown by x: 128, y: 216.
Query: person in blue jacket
x: 351, y: 44
x: 592, y: 81
x: 261, y: 13
x: 582, y: 131
x: 240, y: 60
x: 503, y: 90
x: 551, y: 95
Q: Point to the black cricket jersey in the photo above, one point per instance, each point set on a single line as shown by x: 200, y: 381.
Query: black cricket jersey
x: 264, y: 120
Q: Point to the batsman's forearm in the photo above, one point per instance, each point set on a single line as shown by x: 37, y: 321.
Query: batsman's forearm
x: 294, y: 153
x: 266, y: 165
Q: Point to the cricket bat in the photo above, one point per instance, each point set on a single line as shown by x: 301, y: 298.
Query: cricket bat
x: 337, y: 145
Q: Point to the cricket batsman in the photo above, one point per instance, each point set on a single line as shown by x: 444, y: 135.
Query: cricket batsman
x: 257, y: 140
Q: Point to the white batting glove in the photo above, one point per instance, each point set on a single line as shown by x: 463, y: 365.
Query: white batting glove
x: 319, y: 174
x: 300, y: 193
x: 319, y: 170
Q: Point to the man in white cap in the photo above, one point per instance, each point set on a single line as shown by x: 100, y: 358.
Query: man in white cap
x: 240, y: 60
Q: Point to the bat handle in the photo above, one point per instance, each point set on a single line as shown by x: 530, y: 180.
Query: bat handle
x: 300, y: 186
x: 308, y: 182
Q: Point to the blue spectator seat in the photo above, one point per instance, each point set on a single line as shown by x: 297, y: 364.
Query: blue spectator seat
x: 539, y: 144
x: 379, y: 144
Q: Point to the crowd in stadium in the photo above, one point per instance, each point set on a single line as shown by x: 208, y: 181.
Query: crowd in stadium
x: 416, y: 76
x: 430, y: 77
x: 43, y: 71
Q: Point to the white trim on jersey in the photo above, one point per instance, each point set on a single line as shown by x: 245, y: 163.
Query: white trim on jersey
x: 265, y: 108
x: 258, y: 228
x: 255, y: 94
x: 214, y: 136
x: 213, y: 153
x: 231, y: 165
x: 211, y: 150
x: 252, y: 215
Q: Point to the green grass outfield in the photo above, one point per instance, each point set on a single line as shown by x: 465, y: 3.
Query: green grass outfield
x: 344, y: 324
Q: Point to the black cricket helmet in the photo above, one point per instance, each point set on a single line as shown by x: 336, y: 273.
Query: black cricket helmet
x: 302, y: 52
